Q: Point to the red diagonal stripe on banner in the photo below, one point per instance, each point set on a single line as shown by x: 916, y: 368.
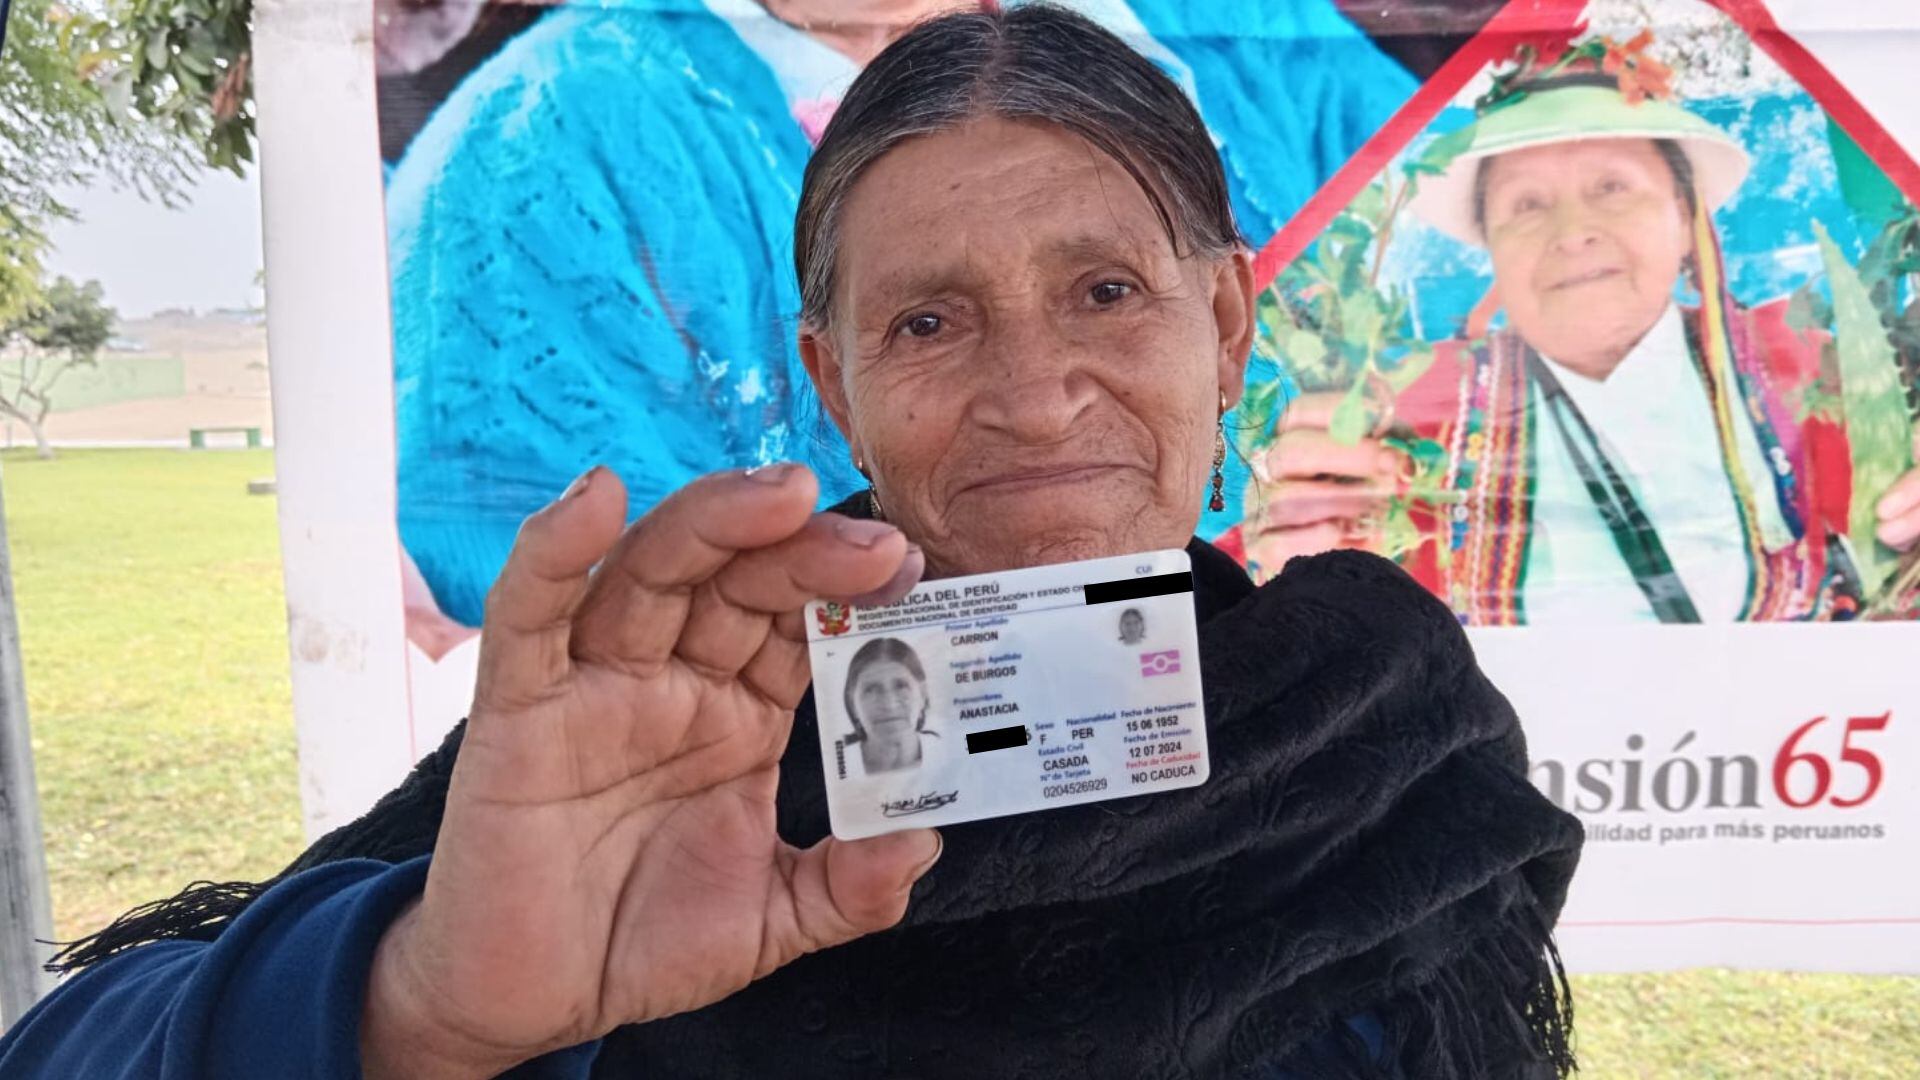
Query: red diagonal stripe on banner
x: 1497, y: 40
x: 1828, y: 92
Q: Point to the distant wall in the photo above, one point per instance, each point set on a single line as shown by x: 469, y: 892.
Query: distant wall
x: 115, y: 378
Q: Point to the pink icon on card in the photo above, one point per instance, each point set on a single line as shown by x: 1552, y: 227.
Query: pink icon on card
x: 1164, y: 662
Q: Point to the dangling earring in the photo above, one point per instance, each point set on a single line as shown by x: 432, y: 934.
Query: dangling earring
x: 1219, y: 502
x: 873, y: 491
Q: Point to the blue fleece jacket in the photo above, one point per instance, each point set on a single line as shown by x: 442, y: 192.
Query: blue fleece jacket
x: 279, y: 994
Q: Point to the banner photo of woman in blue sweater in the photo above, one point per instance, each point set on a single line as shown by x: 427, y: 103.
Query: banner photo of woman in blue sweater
x: 588, y: 235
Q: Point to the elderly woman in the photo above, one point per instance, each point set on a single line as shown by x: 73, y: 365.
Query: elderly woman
x: 1614, y: 456
x: 886, y: 699
x: 1026, y: 308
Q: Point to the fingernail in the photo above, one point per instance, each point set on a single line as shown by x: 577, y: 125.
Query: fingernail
x: 1388, y: 462
x: 775, y: 473
x: 581, y: 483
x: 1894, y: 505
x: 939, y: 845
x: 863, y: 534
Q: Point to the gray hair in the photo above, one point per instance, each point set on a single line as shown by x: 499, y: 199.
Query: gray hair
x: 1032, y: 62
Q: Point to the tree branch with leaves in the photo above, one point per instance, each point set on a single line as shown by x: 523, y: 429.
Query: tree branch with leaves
x: 138, y: 93
x: 183, y: 67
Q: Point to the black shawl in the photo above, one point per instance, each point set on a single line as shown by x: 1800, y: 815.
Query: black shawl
x: 1368, y: 848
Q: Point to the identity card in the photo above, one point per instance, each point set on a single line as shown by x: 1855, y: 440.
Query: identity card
x: 996, y: 694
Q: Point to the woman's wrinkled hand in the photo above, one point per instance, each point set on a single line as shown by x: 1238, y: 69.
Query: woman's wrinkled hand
x: 1898, y: 510
x: 1317, y: 493
x: 608, y: 854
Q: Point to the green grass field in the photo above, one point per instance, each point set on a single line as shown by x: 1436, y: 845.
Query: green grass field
x: 154, y: 636
x: 155, y: 641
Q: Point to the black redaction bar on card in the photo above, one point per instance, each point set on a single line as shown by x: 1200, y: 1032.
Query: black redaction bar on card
x: 1113, y: 592
x: 1006, y: 738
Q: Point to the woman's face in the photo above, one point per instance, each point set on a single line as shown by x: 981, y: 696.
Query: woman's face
x: 890, y: 699
x: 1029, y: 371
x: 1132, y: 626
x: 1587, y: 240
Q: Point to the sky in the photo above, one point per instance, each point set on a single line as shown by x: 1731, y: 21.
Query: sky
x: 148, y: 257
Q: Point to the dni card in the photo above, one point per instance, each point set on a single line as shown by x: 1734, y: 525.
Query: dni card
x: 997, y: 694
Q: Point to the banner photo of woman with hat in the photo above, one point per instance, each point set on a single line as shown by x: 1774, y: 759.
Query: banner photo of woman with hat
x: 1622, y: 336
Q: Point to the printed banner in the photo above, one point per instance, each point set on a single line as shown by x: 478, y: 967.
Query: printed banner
x: 1746, y: 790
x: 1610, y: 325
x: 1606, y: 339
x: 1597, y: 317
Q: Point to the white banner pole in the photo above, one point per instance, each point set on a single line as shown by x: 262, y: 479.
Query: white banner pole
x: 330, y: 345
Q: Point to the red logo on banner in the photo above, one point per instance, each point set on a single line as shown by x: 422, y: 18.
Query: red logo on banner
x: 1790, y: 761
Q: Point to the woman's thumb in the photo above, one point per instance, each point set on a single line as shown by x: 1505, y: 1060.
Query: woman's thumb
x: 857, y: 887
